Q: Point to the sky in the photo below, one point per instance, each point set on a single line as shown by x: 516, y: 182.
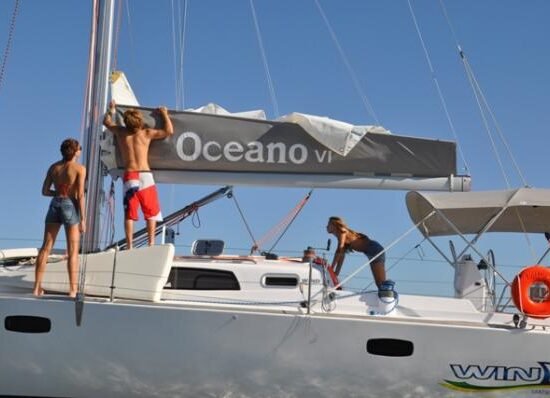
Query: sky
x: 506, y: 44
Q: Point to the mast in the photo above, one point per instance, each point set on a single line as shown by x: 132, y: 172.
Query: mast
x: 101, y: 36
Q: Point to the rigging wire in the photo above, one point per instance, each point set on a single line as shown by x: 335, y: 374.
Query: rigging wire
x: 264, y: 60
x: 174, y: 53
x: 179, y: 29
x: 484, y: 106
x: 493, y: 118
x: 471, y: 79
x: 438, y: 88
x: 182, y: 52
x: 255, y: 243
x: 354, y: 78
x: 116, y: 35
x: 130, y: 35
x: 9, y: 42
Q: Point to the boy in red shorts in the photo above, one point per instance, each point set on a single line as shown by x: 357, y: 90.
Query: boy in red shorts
x: 134, y: 139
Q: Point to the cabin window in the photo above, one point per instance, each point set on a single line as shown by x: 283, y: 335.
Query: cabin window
x: 201, y: 279
x: 390, y: 347
x: 277, y: 280
x: 27, y: 324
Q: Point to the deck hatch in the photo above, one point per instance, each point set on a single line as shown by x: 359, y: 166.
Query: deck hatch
x: 27, y: 324
x: 390, y: 347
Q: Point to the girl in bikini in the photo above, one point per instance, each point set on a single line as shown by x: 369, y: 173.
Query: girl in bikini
x: 350, y: 240
x: 66, y: 208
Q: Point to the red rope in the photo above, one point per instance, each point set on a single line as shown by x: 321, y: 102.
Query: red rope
x: 282, y: 224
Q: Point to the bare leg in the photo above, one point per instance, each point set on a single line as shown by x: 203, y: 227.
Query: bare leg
x: 129, y: 230
x: 378, y: 272
x: 50, y: 233
x: 73, y: 242
x: 151, y: 225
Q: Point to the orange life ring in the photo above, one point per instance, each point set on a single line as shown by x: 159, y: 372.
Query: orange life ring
x: 520, y: 291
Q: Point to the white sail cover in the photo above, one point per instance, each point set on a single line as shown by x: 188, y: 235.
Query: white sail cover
x: 340, y: 137
x: 121, y: 91
x: 519, y: 210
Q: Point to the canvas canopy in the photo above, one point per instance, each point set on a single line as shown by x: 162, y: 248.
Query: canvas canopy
x: 519, y: 210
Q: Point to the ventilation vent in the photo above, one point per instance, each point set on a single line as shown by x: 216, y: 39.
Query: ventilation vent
x: 390, y: 347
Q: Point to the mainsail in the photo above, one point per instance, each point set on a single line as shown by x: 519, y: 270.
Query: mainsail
x: 304, y: 151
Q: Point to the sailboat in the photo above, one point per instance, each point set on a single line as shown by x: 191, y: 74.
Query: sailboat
x: 148, y: 322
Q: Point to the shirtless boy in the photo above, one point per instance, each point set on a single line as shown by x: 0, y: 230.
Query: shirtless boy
x: 139, y: 187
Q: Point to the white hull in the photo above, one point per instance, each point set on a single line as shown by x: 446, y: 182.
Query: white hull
x: 128, y: 349
x: 255, y: 341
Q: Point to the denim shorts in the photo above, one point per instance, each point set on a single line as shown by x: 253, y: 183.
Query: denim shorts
x: 373, y: 249
x: 62, y: 211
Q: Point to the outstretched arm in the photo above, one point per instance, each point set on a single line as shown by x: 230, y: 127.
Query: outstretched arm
x: 340, y: 253
x: 108, y: 118
x: 167, y: 130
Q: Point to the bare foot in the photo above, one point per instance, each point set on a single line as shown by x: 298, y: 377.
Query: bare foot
x: 72, y: 294
x: 38, y: 292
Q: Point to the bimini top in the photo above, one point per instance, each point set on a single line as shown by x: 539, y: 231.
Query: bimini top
x: 520, y: 210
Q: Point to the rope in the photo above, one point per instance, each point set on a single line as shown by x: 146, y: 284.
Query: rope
x: 174, y: 53
x: 130, y: 36
x: 438, y: 88
x: 497, y: 127
x: 9, y: 41
x: 255, y: 246
x: 178, y: 47
x: 473, y: 84
x: 264, y: 60
x: 355, y: 80
x: 116, y: 35
x: 481, y: 102
x: 182, y: 51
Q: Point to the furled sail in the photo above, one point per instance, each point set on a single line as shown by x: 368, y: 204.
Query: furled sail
x: 305, y: 151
